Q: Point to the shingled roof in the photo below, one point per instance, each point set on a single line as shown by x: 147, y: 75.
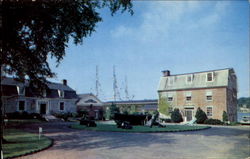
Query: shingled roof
x: 9, y: 86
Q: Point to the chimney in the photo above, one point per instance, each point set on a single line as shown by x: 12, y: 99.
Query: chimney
x: 166, y: 73
x: 64, y: 81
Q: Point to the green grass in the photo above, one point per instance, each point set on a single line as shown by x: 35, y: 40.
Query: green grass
x: 21, y: 143
x: 113, y: 128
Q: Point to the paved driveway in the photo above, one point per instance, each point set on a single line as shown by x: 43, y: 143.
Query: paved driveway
x: 214, y: 143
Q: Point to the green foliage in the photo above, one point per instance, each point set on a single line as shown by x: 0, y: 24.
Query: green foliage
x: 213, y: 122
x: 244, y: 101
x: 200, y: 116
x: 132, y: 109
x: 225, y: 116
x: 164, y: 107
x: 36, y: 30
x: 168, y: 128
x: 176, y: 116
x: 113, y: 110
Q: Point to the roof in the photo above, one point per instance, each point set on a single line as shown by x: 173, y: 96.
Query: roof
x: 88, y: 99
x: 199, y: 80
x: 51, y: 85
x: 9, y: 86
x: 145, y: 101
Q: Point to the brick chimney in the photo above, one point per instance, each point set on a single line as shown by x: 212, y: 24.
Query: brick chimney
x: 166, y: 73
x: 64, y: 81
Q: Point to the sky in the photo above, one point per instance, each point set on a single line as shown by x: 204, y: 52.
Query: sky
x: 180, y: 36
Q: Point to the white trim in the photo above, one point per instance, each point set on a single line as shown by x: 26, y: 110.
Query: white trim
x: 188, y: 94
x: 20, y: 90
x: 59, y: 104
x: 189, y: 82
x: 212, y: 111
x: 212, y: 76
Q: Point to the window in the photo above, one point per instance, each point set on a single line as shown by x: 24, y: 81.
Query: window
x: 170, y: 81
x: 170, y: 99
x: 61, y: 93
x: 210, y: 77
x: 189, y: 78
x: 20, y: 90
x: 188, y: 96
x: 209, y: 95
x: 21, y: 105
x: 62, y: 106
x: 210, y: 111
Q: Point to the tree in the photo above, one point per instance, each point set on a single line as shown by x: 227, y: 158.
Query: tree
x: 224, y: 116
x: 34, y: 30
x: 176, y: 116
x: 200, y: 116
x: 164, y: 106
x: 113, y: 110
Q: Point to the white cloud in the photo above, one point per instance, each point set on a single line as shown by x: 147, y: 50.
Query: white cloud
x: 162, y: 17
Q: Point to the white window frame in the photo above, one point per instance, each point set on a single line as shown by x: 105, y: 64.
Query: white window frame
x: 210, y: 116
x: 189, y: 82
x: 60, y: 106
x: 18, y: 105
x: 209, y: 93
x: 188, y: 94
x: 212, y: 76
x: 19, y: 90
x: 170, y: 81
x: 61, y: 93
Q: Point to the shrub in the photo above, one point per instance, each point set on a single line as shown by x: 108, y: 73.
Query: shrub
x: 131, y: 118
x: 113, y: 110
x: 200, y: 116
x: 87, y: 122
x: 176, y: 116
x: 224, y: 116
x: 213, y: 122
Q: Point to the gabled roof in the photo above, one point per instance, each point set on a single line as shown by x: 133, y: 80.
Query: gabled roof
x: 199, y: 80
x: 88, y: 99
x: 145, y: 101
x: 51, y: 85
x: 9, y: 86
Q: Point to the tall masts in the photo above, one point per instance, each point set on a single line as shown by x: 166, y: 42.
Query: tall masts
x: 97, y: 83
x: 115, y: 86
x: 126, y: 88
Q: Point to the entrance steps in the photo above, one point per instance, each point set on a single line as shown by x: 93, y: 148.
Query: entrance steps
x: 51, y: 118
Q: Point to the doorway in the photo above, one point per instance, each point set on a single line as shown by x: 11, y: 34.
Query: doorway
x: 42, y: 108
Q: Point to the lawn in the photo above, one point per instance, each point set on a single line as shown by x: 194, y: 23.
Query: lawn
x: 146, y: 129
x: 21, y: 143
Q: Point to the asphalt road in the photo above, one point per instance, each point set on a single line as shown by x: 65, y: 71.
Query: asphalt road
x: 215, y: 143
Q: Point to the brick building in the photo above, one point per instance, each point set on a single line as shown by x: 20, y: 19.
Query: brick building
x: 213, y: 91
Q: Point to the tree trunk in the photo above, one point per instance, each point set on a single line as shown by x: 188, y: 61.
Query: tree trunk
x: 1, y: 113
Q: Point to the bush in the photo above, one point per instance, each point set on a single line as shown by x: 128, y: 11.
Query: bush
x: 213, y: 122
x: 200, y: 116
x: 225, y: 116
x: 131, y: 118
x: 87, y: 122
x: 176, y: 116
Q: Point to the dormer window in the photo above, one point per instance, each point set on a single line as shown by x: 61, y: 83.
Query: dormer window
x: 61, y: 93
x: 189, y: 79
x: 210, y: 77
x: 20, y: 90
x: 44, y: 93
